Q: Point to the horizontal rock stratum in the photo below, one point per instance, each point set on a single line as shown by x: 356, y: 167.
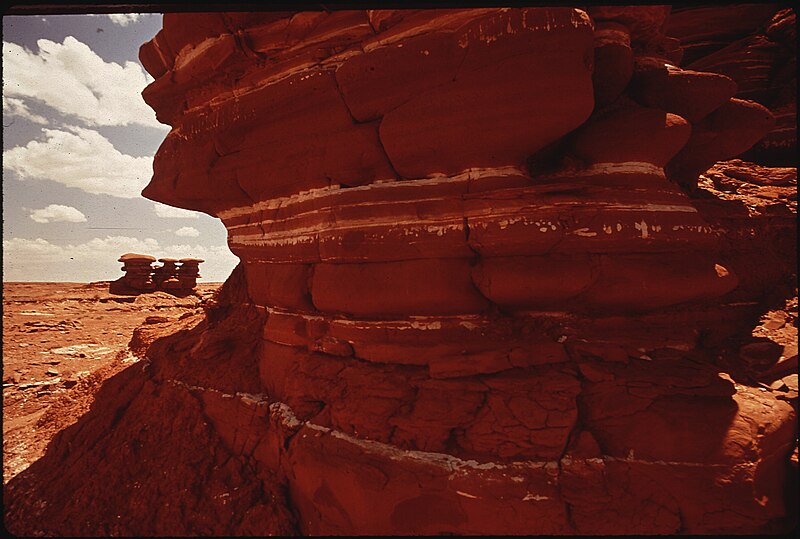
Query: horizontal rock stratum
x: 475, y: 294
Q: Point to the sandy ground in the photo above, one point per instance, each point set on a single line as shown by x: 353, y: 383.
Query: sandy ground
x: 60, y: 342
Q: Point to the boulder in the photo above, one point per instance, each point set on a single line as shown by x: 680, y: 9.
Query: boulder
x: 629, y: 133
x: 613, y: 61
x: 689, y: 94
x: 727, y: 132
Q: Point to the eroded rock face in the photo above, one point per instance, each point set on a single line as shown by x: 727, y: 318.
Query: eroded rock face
x: 756, y: 46
x: 471, y: 300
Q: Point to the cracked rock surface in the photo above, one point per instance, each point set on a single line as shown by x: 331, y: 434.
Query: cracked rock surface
x: 487, y: 287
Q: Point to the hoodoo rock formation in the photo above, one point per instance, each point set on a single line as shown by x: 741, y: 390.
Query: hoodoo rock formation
x: 141, y: 275
x: 138, y: 271
x: 481, y: 290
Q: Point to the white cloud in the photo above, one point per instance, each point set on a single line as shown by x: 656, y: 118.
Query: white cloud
x: 81, y: 158
x: 169, y: 212
x: 17, y: 107
x: 56, y: 213
x: 96, y: 260
x: 74, y: 80
x: 188, y: 232
x: 124, y: 19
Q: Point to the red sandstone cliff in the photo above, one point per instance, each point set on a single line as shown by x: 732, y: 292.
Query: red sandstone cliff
x: 756, y: 46
x: 475, y: 295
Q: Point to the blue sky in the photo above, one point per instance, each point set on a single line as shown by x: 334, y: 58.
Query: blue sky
x: 78, y: 145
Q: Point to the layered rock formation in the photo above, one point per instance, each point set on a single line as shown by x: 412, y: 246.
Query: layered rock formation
x: 756, y: 46
x: 474, y: 295
x: 165, y: 276
x: 188, y: 272
x: 142, y: 274
x: 138, y: 271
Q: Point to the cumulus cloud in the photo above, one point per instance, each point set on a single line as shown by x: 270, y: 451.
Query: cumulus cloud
x: 169, y: 212
x: 188, y: 232
x: 71, y: 78
x: 17, y: 107
x: 96, y: 260
x: 56, y: 213
x: 81, y: 158
x: 124, y: 19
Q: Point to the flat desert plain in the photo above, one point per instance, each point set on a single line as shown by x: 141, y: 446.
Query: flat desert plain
x: 61, y: 341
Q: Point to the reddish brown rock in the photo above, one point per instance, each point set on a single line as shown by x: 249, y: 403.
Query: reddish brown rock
x: 690, y: 94
x: 534, y: 282
x: 613, y: 61
x: 423, y: 62
x: 470, y: 299
x: 757, y: 206
x: 282, y: 285
x: 498, y: 93
x: 410, y: 287
x: 755, y: 45
x: 704, y: 30
x: 188, y: 272
x: 138, y: 271
x: 645, y: 22
x: 635, y: 283
x: 165, y: 276
x: 727, y: 132
x: 631, y: 134
x: 173, y: 275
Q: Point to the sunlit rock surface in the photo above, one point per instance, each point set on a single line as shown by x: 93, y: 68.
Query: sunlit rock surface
x: 475, y: 295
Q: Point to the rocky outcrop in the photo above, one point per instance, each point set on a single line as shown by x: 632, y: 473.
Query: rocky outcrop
x: 188, y: 272
x: 756, y: 46
x: 138, y: 271
x: 474, y: 295
x: 141, y: 275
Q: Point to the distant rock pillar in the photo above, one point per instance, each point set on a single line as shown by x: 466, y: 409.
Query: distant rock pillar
x: 189, y: 272
x: 138, y: 271
x: 166, y: 275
